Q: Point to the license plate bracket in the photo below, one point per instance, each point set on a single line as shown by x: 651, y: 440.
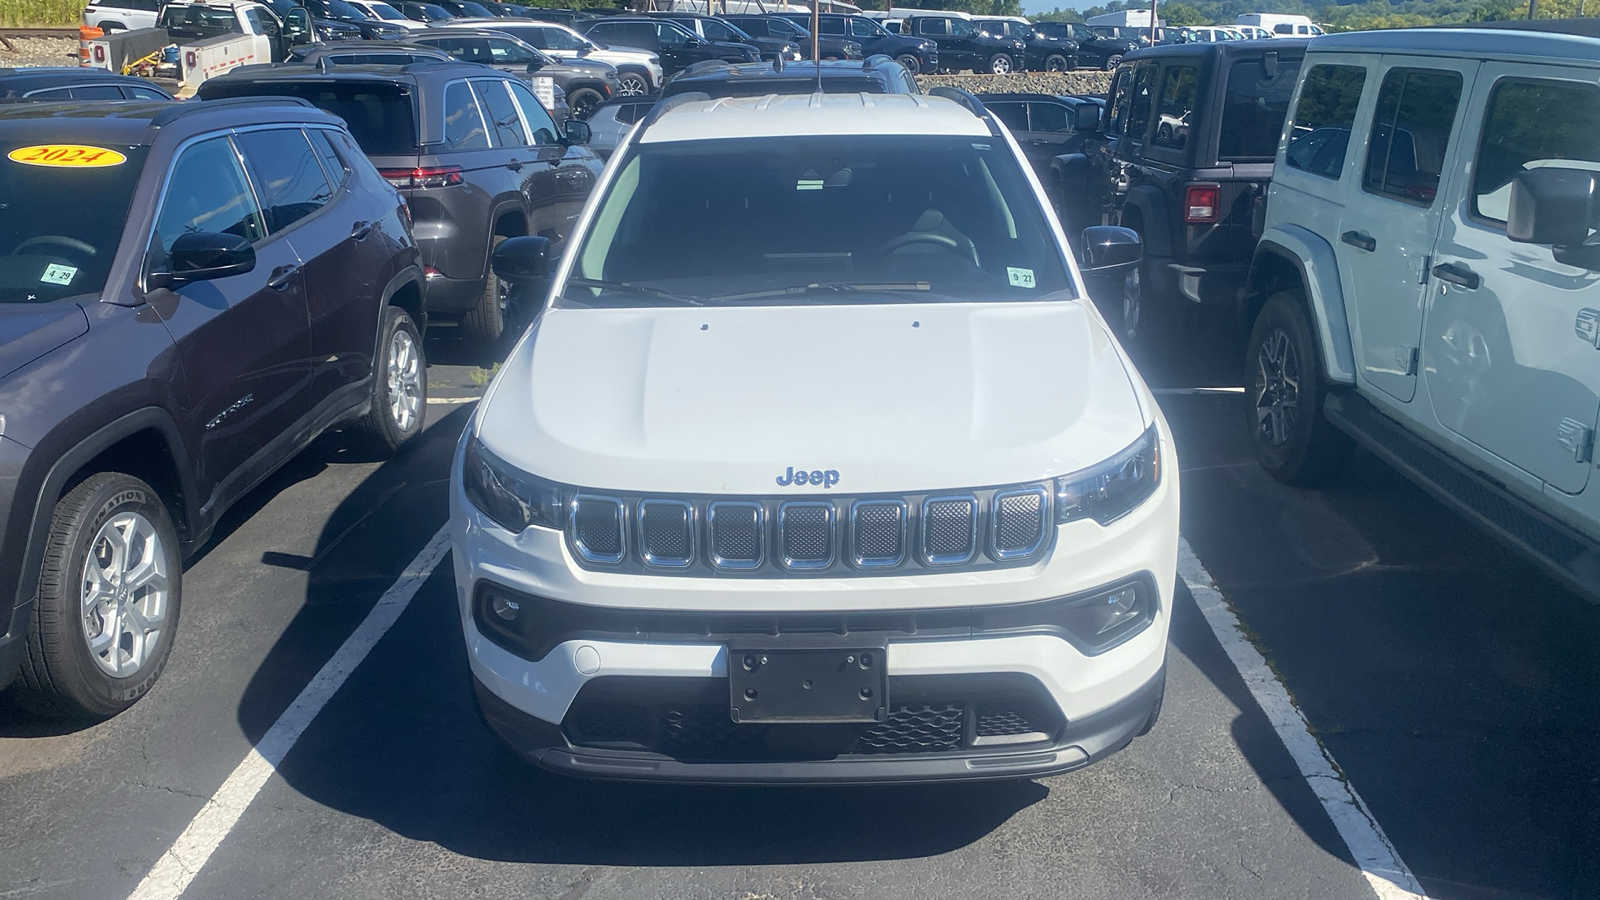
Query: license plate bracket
x: 774, y: 680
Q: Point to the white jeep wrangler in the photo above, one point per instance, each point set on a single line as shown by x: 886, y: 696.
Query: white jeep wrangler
x: 1428, y: 280
x: 819, y: 465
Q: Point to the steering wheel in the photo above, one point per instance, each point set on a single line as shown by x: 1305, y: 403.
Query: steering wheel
x: 58, y: 240
x: 928, y: 237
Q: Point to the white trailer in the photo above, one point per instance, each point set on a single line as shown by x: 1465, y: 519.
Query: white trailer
x: 1282, y: 24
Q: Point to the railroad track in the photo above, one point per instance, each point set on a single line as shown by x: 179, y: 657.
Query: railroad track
x: 7, y: 34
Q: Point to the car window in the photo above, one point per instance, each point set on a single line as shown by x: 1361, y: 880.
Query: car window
x: 932, y: 26
x: 1015, y: 115
x: 1411, y: 133
x: 717, y: 31
x: 510, y: 53
x: 505, y: 126
x: 672, y: 35
x: 466, y: 49
x: 60, y: 93
x: 332, y: 165
x: 1324, y: 118
x: 1050, y: 118
x: 785, y: 29
x: 1141, y: 102
x: 378, y: 114
x: 863, y: 28
x: 1175, y: 107
x: 1254, y: 107
x: 831, y: 26
x: 96, y: 92
x: 1121, y: 96
x: 1528, y: 125
x: 540, y: 125
x: 287, y: 173
x: 463, y: 122
x: 206, y: 192
x: 134, y: 92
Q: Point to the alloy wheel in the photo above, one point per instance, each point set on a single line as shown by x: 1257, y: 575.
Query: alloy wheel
x: 631, y: 85
x: 405, y: 381
x: 1001, y: 65
x: 124, y: 593
x: 1277, y: 388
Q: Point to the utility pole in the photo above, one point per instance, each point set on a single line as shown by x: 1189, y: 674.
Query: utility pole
x: 1533, y: 9
x: 1154, y: 20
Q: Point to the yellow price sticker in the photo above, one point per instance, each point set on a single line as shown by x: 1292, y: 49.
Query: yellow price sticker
x: 66, y: 156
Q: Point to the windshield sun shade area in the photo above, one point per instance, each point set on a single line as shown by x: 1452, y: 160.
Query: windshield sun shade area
x: 50, y: 250
x: 818, y: 219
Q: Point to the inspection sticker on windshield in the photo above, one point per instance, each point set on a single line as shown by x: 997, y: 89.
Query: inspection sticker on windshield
x: 1020, y: 277
x: 58, y: 274
x: 66, y: 156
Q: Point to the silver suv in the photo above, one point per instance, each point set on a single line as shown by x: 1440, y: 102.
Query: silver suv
x: 1427, y: 283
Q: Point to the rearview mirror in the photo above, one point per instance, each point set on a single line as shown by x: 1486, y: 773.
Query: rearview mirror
x: 520, y: 260
x: 578, y: 131
x: 1552, y: 206
x: 203, y: 256
x: 1086, y: 118
x: 1110, y: 250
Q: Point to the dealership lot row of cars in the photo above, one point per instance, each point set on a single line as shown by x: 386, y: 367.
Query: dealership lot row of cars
x: 709, y: 588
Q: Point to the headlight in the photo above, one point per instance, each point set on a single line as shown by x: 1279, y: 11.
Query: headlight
x: 1114, y: 488
x: 512, y: 498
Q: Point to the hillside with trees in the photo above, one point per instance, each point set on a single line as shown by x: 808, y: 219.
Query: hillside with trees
x: 1351, y: 16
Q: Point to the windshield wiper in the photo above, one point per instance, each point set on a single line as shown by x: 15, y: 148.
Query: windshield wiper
x: 837, y: 287
x: 640, y: 289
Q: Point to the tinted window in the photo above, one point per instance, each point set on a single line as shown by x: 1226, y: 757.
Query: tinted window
x: 466, y: 49
x: 1049, y: 117
x: 207, y: 192
x: 288, y: 176
x: 1323, y: 120
x: 672, y: 35
x: 379, y: 115
x: 97, y: 92
x: 463, y: 123
x: 783, y: 29
x: 717, y: 31
x: 1253, y: 109
x: 134, y: 92
x: 1410, y: 133
x: 332, y: 165
x: 932, y: 26
x: 1122, y: 96
x: 1533, y: 124
x: 863, y: 28
x: 60, y: 93
x: 1175, y: 108
x: 505, y: 125
x: 540, y: 125
x: 510, y: 53
x: 1015, y: 115
x: 1140, y: 104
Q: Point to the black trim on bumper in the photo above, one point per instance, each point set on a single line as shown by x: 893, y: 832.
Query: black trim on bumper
x: 1081, y: 742
x: 12, y: 645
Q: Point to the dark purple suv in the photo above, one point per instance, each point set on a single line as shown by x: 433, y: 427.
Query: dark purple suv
x: 228, y: 281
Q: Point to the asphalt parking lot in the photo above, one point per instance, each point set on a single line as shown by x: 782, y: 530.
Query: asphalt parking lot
x: 1454, y: 685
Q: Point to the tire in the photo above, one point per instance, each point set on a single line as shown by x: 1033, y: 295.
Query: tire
x: 399, y: 385
x: 632, y: 84
x: 582, y: 101
x: 1055, y: 62
x: 66, y: 670
x: 1111, y: 62
x: 1144, y: 320
x: 484, y: 322
x: 1000, y: 64
x: 1284, y: 391
x: 912, y: 64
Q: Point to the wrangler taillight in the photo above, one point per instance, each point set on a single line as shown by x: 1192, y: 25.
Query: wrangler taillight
x: 1201, y: 203
x: 434, y: 177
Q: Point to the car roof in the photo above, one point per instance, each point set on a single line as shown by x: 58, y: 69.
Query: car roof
x: 718, y: 70
x: 372, y: 72
x: 1284, y: 47
x: 31, y: 75
x: 137, y: 122
x: 788, y: 115
x: 1573, y: 41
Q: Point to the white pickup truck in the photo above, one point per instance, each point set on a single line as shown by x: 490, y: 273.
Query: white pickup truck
x: 212, y: 37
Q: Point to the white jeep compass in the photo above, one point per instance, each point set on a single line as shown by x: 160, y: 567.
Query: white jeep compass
x: 819, y: 466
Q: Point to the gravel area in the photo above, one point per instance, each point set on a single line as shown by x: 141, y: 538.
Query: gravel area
x: 1083, y: 82
x: 50, y: 51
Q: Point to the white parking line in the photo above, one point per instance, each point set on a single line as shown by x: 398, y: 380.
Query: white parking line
x: 452, y: 401
x: 177, y: 867
x: 1370, y: 847
x: 1195, y: 391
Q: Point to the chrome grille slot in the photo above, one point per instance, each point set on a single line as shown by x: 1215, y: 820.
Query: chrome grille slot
x: 736, y: 531
x: 598, y: 526
x: 878, y: 533
x: 805, y: 535
x: 666, y: 533
x: 1017, y: 529
x: 949, y: 530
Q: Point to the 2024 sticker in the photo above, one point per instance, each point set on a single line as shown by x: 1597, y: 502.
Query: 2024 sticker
x: 67, y: 156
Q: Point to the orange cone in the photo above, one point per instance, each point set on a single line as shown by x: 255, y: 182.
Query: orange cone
x: 87, y: 33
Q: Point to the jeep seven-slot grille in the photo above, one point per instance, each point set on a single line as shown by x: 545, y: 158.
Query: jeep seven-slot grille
x: 811, y: 535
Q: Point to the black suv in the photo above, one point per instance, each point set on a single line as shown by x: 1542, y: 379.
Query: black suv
x: 713, y: 28
x: 475, y: 155
x: 340, y: 11
x: 1185, y: 159
x: 229, y: 281
x: 677, y: 46
x: 67, y: 83
x: 1047, y: 127
x: 877, y: 75
x: 962, y: 45
x: 775, y: 26
x: 586, y: 82
x: 1095, y: 50
x: 920, y: 55
x: 1045, y: 53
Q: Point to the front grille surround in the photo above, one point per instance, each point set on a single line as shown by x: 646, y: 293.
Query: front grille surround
x: 671, y: 544
x: 741, y: 521
x: 1018, y: 522
x: 868, y: 530
x: 949, y: 534
x: 588, y: 525
x: 806, y: 537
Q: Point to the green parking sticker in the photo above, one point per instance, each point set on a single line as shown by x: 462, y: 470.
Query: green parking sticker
x: 1022, y: 278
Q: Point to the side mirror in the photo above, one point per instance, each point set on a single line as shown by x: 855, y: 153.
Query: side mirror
x: 1109, y: 250
x: 534, y: 65
x: 203, y: 256
x: 520, y: 260
x: 578, y: 131
x: 1552, y: 206
x: 1086, y: 118
x: 692, y: 43
x: 297, y: 25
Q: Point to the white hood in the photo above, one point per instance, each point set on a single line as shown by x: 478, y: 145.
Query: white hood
x: 895, y: 398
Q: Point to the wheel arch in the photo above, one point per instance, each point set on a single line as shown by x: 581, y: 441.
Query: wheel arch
x: 1289, y: 257
x: 1151, y: 206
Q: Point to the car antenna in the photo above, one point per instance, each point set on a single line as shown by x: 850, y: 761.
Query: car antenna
x: 816, y: 40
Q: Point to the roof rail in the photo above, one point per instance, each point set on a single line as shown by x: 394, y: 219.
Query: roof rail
x: 660, y: 109
x: 964, y: 97
x: 179, y: 110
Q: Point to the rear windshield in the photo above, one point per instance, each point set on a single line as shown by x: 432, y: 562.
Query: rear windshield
x: 818, y: 219
x: 195, y: 23
x: 381, y: 116
x: 759, y: 87
x: 54, y: 249
x: 1254, y: 109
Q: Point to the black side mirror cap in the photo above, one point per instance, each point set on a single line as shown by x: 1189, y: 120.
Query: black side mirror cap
x: 577, y: 131
x: 1110, y: 250
x: 1553, y: 206
x: 204, y: 256
x: 521, y: 260
x: 1086, y: 118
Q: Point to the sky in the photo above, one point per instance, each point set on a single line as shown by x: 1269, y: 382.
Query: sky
x: 1034, y: 7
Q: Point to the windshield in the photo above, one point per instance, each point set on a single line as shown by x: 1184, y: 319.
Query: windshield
x: 342, y: 10
x: 198, y: 22
x: 385, y: 11
x: 817, y: 219
x: 476, y: 10
x: 54, y: 249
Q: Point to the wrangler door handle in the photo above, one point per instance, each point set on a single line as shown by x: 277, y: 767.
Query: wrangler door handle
x: 282, y: 276
x: 361, y: 229
x: 1457, y: 274
x: 515, y: 165
x: 1357, y: 239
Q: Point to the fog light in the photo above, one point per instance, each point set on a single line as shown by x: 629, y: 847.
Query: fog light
x: 1120, y: 607
x: 504, y: 607
x: 1103, y: 620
